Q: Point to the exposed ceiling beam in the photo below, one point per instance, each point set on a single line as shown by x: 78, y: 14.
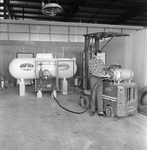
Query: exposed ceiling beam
x: 105, y: 6
x: 7, y: 8
x: 33, y: 6
x: 75, y: 8
x: 34, y: 1
x: 42, y: 18
x: 132, y: 13
x: 5, y: 12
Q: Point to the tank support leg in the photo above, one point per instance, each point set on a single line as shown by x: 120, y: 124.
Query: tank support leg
x: 22, y: 87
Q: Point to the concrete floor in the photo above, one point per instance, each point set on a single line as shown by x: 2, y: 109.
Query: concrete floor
x: 30, y: 123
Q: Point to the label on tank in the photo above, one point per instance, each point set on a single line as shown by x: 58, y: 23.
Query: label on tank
x: 63, y: 67
x: 26, y: 66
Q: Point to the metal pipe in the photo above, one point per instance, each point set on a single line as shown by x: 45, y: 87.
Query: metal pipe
x: 87, y: 43
x: 97, y: 45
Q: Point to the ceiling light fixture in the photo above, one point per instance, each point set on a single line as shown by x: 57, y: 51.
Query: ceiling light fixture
x: 51, y: 9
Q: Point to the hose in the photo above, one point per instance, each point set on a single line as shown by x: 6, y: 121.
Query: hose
x: 66, y: 108
x: 98, y: 82
x: 71, y: 110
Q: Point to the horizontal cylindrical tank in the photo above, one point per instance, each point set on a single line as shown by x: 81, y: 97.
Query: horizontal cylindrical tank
x: 123, y: 74
x: 28, y: 68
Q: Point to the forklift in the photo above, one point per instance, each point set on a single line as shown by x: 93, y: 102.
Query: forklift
x: 120, y: 95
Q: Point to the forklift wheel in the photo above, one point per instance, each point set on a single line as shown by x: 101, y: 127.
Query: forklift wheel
x: 84, y: 101
x: 109, y: 111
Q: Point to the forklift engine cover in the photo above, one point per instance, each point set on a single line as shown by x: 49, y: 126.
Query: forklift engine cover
x: 122, y: 97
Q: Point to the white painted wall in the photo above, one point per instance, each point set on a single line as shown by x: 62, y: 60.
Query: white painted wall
x: 131, y: 53
x: 55, y: 31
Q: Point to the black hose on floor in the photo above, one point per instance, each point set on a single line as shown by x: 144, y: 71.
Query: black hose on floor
x: 66, y: 108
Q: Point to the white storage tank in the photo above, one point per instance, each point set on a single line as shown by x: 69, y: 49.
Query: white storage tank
x: 28, y: 68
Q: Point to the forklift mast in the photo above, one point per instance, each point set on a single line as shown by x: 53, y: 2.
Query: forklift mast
x: 96, y: 37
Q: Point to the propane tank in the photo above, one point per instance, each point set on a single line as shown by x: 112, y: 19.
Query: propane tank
x: 28, y: 68
x: 122, y: 74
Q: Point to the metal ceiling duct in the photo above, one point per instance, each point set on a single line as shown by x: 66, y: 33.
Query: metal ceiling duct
x: 51, y: 9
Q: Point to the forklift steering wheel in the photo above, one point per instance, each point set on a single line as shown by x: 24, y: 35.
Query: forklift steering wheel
x: 114, y: 66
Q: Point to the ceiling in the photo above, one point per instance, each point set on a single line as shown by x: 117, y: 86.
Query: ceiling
x: 117, y: 12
